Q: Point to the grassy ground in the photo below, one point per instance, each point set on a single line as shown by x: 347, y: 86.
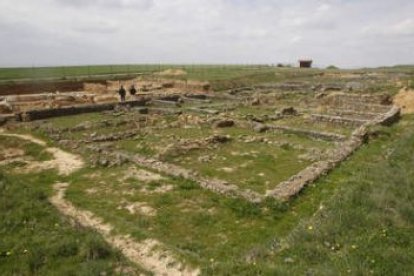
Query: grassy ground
x: 35, y: 238
x: 359, y: 218
x: 194, y: 71
x: 254, y: 166
x: 259, y: 166
x: 221, y: 77
x: 366, y: 227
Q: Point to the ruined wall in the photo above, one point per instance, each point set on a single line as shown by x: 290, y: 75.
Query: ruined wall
x: 338, y: 120
x: 296, y: 183
x: 357, y: 102
x: 314, y: 134
x: 74, y: 110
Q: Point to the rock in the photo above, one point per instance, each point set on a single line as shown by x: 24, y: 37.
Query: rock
x: 170, y: 98
x: 257, y: 120
x: 224, y: 123
x: 3, y: 121
x: 219, y: 139
x: 260, y: 128
x: 196, y: 96
x: 354, y: 85
x: 119, y: 160
x: 104, y: 162
x: 320, y: 95
x: 83, y: 126
x: 274, y: 117
x: 5, y: 108
x: 289, y: 260
x: 289, y: 111
x: 332, y: 88
x: 255, y: 102
x: 204, y: 159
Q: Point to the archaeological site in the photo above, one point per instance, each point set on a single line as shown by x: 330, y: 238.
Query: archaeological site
x: 192, y: 175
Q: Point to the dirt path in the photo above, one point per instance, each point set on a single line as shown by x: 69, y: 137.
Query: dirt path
x: 148, y: 253
x: 24, y: 137
x: 66, y: 163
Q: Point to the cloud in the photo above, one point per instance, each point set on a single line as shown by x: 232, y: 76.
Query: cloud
x: 140, y: 4
x: 402, y: 28
x: 97, y: 26
x: 342, y: 32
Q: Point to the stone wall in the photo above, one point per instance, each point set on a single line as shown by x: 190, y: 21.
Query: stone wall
x: 66, y: 111
x: 310, y: 133
x: 357, y: 102
x: 287, y: 189
x: 338, y: 120
x: 215, y: 185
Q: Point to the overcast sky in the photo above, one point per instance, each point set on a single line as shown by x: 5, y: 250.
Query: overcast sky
x: 347, y: 33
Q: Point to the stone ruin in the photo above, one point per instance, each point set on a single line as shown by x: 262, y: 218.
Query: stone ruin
x: 357, y: 111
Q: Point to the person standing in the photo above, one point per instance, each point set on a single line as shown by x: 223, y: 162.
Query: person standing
x: 122, y: 93
x: 132, y: 90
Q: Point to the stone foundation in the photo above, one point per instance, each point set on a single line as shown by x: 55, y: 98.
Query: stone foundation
x: 287, y: 189
x: 66, y: 111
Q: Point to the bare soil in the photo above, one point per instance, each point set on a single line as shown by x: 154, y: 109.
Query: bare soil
x: 66, y: 163
x: 405, y: 100
x: 173, y: 72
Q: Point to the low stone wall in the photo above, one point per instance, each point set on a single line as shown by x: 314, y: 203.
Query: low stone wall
x: 218, y: 186
x: 7, y: 118
x: 296, y: 183
x: 164, y: 103
x: 215, y: 185
x: 338, y: 120
x: 310, y: 133
x: 202, y: 110
x: 287, y: 189
x: 114, y: 137
x: 286, y: 86
x: 74, y: 110
x: 355, y: 102
x: 347, y: 112
x: 389, y: 118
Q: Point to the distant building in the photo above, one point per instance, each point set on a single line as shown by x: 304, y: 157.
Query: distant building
x: 305, y: 63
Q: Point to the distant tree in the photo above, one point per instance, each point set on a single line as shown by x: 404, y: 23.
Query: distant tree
x: 332, y: 67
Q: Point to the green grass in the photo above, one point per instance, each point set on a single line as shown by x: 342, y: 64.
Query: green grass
x: 194, y: 71
x: 254, y: 166
x: 35, y: 238
x: 30, y: 149
x: 74, y: 120
x: 72, y: 71
x: 306, y: 124
x: 196, y: 224
x: 230, y: 236
x: 366, y: 227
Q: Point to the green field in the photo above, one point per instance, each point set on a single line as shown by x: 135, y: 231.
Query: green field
x: 194, y: 71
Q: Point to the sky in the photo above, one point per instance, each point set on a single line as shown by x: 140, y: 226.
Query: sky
x: 345, y: 33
